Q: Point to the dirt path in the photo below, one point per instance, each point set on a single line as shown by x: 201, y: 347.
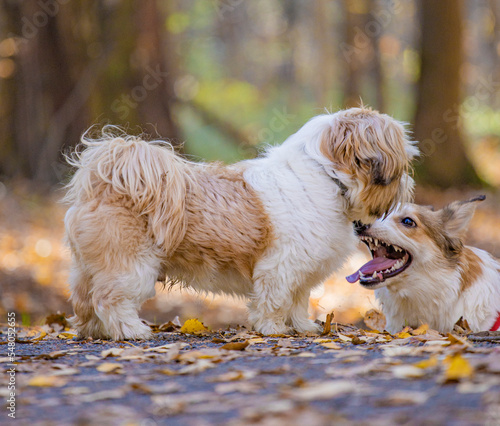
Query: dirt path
x: 238, y: 378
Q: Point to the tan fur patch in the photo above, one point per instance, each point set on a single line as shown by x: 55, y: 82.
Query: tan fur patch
x: 370, y: 147
x: 471, y: 268
x: 433, y: 227
x: 227, y: 226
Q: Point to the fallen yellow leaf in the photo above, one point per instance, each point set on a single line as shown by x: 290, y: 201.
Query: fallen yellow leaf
x: 322, y: 340
x: 427, y: 363
x: 46, y: 381
x: 36, y: 334
x: 197, y: 367
x: 344, y: 338
x: 193, y: 326
x: 112, y: 352
x: 66, y: 335
x: 108, y: 367
x: 167, y: 371
x: 232, y: 376
x: 235, y: 346
x: 331, y: 345
x: 458, y: 340
x: 420, y: 330
x: 458, y: 368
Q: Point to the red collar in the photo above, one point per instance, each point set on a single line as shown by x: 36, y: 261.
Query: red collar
x: 496, y: 326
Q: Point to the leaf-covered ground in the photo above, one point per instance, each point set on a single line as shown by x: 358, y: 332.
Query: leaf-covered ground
x: 192, y: 376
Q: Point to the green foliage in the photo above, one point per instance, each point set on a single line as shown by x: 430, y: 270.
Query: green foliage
x: 25, y: 319
x: 203, y: 141
x: 481, y: 121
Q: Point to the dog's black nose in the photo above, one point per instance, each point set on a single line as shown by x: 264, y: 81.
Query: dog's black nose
x: 360, y: 227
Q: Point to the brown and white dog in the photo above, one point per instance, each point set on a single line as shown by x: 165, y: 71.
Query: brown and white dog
x: 268, y: 229
x: 422, y: 273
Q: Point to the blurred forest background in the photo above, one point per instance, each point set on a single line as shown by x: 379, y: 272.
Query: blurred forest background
x: 222, y: 79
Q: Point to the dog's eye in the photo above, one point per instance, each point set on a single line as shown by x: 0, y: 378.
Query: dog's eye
x: 408, y: 222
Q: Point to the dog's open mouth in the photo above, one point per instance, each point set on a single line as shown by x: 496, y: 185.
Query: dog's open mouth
x: 388, y: 261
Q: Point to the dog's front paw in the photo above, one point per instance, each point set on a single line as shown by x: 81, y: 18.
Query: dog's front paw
x: 269, y: 327
x: 307, y: 326
x: 134, y: 331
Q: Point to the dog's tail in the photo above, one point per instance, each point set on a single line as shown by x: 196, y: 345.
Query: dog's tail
x: 149, y: 174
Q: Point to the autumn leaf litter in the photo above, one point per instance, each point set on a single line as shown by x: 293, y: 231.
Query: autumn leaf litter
x: 227, y: 362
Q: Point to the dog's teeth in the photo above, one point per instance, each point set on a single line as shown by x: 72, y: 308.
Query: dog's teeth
x: 376, y: 242
x: 374, y: 274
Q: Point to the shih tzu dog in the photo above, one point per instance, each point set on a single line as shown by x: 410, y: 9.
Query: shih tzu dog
x: 422, y: 273
x: 268, y: 229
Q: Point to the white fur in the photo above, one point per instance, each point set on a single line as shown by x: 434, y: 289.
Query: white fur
x: 314, y: 235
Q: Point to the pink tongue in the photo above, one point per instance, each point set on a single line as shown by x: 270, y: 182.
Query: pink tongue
x: 377, y: 264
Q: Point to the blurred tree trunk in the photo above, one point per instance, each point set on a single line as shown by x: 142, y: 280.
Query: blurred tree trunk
x: 156, y: 72
x: 437, y: 123
x: 38, y: 90
x: 376, y: 63
x: 63, y: 53
x: 495, y: 49
x: 351, y: 56
x: 361, y: 53
x: 324, y: 70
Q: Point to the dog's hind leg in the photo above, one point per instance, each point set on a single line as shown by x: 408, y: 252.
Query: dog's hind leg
x: 116, y: 267
x: 85, y: 319
x: 117, y: 298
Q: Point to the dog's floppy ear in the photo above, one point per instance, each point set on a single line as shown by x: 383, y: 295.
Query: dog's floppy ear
x: 457, y: 216
x: 379, y: 173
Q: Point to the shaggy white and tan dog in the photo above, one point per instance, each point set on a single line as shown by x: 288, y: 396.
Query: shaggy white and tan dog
x: 268, y: 229
x: 423, y: 274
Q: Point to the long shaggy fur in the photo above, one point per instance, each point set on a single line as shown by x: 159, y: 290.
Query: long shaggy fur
x: 268, y: 229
